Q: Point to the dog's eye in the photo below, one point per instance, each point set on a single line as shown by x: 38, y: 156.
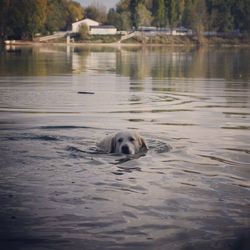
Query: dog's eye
x: 131, y: 139
x: 120, y: 140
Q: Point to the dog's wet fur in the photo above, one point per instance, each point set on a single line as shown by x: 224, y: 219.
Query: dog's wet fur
x: 123, y: 142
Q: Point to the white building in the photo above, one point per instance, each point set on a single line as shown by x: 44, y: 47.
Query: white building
x: 181, y: 32
x: 102, y: 30
x: 89, y: 22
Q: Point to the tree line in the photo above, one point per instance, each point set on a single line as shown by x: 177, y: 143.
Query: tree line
x: 22, y: 19
x: 198, y: 15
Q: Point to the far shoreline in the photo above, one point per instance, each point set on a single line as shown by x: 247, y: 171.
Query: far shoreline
x: 188, y: 42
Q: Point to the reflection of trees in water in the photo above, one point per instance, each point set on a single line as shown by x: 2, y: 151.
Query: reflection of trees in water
x: 133, y: 63
x: 160, y: 63
x: 98, y: 59
x: 34, y: 61
x: 164, y: 66
x: 137, y: 63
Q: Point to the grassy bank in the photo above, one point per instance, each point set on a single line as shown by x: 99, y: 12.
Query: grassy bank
x: 169, y: 40
x: 190, y: 41
x: 184, y: 41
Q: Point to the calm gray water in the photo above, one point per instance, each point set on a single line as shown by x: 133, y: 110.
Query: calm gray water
x: 190, y: 191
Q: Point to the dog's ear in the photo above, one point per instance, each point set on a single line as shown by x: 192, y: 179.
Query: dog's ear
x: 143, y: 143
x: 113, y: 145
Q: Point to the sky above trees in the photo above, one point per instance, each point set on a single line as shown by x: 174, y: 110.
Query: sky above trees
x: 107, y: 3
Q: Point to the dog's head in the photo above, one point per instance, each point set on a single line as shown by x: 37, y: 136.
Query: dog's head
x: 128, y: 142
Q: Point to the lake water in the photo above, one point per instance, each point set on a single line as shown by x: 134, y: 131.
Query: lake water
x: 191, y: 190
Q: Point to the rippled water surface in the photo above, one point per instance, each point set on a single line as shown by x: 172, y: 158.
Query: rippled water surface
x: 191, y: 189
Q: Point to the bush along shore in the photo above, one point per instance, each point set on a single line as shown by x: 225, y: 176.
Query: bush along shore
x: 167, y: 40
x: 200, y: 41
x: 143, y: 40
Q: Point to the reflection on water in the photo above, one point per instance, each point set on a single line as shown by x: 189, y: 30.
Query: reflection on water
x: 136, y: 63
x: 189, y: 191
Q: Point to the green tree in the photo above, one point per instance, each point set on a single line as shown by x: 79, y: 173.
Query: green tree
x: 5, y: 6
x: 221, y: 18
x: 123, y: 9
x: 143, y: 15
x: 149, y: 4
x: 194, y: 17
x: 180, y: 9
x: 159, y: 13
x: 56, y: 16
x: 126, y: 20
x: 26, y: 18
x: 96, y: 12
x: 84, y: 32
x: 171, y: 12
x: 241, y: 11
x: 226, y: 21
x: 218, y: 15
x: 114, y: 18
x: 75, y: 13
x: 132, y: 8
x: 122, y: 6
x: 121, y: 20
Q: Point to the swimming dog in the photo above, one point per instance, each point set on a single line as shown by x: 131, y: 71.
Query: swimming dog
x: 123, y: 142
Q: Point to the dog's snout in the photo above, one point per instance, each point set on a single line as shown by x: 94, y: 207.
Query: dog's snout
x: 125, y: 149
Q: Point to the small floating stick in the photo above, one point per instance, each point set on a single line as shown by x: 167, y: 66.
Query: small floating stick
x: 85, y: 93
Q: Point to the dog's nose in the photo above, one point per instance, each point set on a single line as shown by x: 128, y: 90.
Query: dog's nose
x: 125, y: 149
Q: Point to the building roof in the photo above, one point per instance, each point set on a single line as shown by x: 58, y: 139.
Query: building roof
x: 103, y: 27
x: 85, y: 20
